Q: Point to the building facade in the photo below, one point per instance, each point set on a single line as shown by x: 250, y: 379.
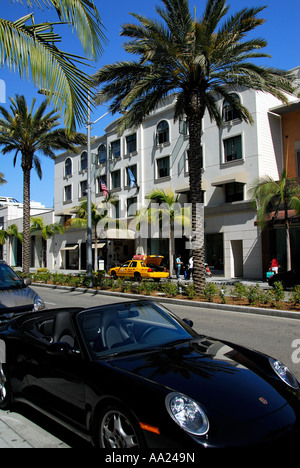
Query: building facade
x: 154, y: 156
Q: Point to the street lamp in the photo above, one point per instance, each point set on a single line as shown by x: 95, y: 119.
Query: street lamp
x: 89, y: 195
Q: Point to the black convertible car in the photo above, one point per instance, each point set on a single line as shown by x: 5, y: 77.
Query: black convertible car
x: 133, y: 375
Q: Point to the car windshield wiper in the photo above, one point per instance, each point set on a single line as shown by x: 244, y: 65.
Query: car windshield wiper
x: 149, y: 349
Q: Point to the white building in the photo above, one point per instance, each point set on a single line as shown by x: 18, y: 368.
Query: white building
x: 155, y: 154
x: 11, y: 212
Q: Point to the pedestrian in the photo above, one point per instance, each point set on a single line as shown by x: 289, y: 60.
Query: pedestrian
x: 178, y: 266
x: 274, y: 265
x: 190, y: 267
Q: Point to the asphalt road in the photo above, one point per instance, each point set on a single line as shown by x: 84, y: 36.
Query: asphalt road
x: 271, y: 335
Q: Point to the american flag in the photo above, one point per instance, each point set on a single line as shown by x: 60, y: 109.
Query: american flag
x: 103, y: 188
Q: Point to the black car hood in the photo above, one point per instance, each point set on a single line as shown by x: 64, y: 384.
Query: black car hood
x: 13, y: 300
x: 212, y: 373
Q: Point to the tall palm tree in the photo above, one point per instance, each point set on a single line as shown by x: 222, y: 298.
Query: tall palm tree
x: 34, y: 48
x: 170, y: 212
x: 29, y: 133
x: 46, y: 230
x: 199, y: 60
x: 271, y: 196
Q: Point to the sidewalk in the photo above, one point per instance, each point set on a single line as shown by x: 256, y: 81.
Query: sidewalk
x: 18, y: 432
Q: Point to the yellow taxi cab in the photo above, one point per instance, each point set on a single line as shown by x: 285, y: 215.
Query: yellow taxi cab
x: 141, y: 267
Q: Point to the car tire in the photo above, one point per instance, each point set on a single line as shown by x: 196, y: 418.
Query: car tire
x: 113, y: 275
x: 118, y: 429
x: 5, y: 388
x: 137, y: 276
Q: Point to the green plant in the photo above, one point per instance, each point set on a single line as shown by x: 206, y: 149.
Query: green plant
x: 253, y: 294
x: 170, y: 289
x: 210, y: 291
x: 239, y: 291
x: 296, y: 294
x: 190, y: 291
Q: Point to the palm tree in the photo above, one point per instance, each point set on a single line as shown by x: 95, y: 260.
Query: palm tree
x: 46, y: 230
x: 2, y: 180
x: 97, y: 216
x: 11, y: 232
x: 33, y: 48
x: 199, y: 60
x: 29, y: 133
x: 272, y: 196
x: 169, y: 212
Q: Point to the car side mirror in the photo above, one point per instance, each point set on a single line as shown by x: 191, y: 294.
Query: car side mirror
x: 189, y: 322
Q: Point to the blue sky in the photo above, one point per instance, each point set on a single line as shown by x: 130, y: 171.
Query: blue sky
x: 281, y: 31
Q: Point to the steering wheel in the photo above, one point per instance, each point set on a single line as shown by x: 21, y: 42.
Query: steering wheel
x: 144, y: 337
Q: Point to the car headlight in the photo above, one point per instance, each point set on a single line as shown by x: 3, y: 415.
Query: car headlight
x: 284, y: 373
x: 38, y: 304
x: 187, y: 413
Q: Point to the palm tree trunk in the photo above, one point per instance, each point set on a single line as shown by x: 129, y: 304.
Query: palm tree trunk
x: 195, y: 178
x: 26, y: 221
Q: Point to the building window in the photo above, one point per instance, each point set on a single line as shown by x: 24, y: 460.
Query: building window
x: 131, y: 206
x: 183, y: 127
x: 131, y: 144
x: 163, y: 167
x: 83, y: 188
x: 229, y: 112
x: 102, y: 184
x: 116, y: 210
x: 115, y: 149
x: 234, y: 191
x: 68, y: 167
x: 116, y: 179
x: 162, y: 135
x: 83, y: 161
x: 68, y: 193
x: 102, y: 154
x: 131, y: 176
x: 233, y: 148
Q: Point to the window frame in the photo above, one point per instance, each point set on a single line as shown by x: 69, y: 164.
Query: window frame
x: 163, y: 134
x: 230, y: 157
x: 159, y: 169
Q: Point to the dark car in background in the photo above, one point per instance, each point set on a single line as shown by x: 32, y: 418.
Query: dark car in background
x: 288, y: 279
x: 16, y: 297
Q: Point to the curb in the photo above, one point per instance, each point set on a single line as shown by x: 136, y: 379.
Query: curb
x: 183, y: 302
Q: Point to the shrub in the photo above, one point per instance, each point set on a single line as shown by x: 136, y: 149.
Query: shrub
x: 210, y: 291
x: 190, y: 291
x: 296, y: 294
x: 171, y: 289
x: 239, y: 291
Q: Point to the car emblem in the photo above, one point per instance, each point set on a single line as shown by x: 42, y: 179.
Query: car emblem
x: 263, y: 400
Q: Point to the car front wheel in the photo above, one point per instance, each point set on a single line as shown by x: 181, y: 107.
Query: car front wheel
x: 5, y: 392
x: 117, y: 429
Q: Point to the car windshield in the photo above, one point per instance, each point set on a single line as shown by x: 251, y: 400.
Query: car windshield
x: 8, y: 278
x: 129, y: 328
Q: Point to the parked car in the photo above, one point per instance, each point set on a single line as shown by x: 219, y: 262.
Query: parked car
x: 133, y: 375
x: 288, y: 279
x: 15, y: 296
x: 141, y: 267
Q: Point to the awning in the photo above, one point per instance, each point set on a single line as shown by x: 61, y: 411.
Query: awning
x: 70, y: 247
x: 100, y: 245
x: 240, y: 177
x: 120, y: 234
